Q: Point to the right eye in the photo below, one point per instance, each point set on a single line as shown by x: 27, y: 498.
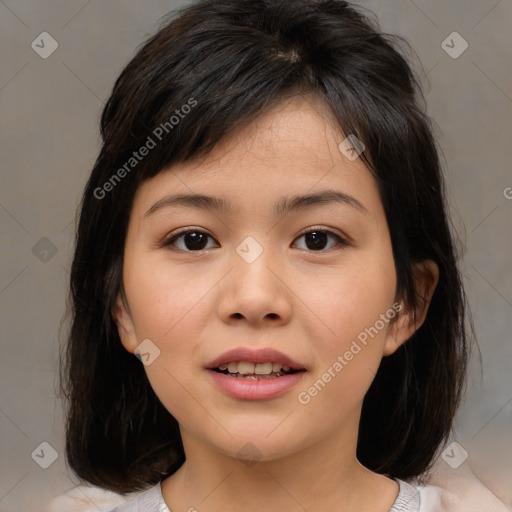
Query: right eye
x: 191, y: 240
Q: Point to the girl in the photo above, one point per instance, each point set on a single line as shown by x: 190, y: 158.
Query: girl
x: 267, y: 309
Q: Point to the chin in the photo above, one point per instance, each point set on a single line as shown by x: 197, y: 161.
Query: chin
x: 254, y: 449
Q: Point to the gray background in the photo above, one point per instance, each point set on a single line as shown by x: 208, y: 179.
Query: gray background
x: 50, y: 111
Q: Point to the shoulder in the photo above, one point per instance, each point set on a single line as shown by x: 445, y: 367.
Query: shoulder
x: 460, y: 490
x: 413, y: 498
x: 150, y: 500
x: 92, y: 499
x: 85, y: 498
x: 424, y: 498
x: 447, y: 491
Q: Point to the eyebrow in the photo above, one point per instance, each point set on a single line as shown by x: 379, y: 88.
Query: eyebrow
x: 283, y: 206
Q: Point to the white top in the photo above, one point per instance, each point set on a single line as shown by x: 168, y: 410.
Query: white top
x: 410, y: 499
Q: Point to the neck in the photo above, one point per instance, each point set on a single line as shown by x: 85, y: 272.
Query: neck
x: 325, y: 475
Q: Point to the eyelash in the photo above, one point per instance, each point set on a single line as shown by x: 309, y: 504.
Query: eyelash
x: 172, y: 239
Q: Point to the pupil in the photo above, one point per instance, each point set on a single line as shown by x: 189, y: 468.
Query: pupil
x: 193, y: 241
x: 318, y: 239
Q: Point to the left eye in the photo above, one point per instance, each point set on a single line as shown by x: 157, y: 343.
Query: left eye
x: 195, y: 240
x: 316, y: 238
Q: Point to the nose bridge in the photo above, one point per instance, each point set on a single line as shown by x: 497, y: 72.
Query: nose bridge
x: 250, y: 250
x: 254, y: 289
x: 252, y: 260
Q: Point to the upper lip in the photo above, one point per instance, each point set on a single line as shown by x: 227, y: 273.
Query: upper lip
x: 262, y: 355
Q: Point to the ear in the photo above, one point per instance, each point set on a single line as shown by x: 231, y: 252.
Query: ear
x: 426, y: 277
x: 124, y: 322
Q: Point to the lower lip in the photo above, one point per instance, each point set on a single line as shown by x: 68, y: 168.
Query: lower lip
x: 250, y: 389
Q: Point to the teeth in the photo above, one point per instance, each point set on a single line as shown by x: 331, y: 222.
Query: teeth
x: 263, y: 368
x: 247, y: 368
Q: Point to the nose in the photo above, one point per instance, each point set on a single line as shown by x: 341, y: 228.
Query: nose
x: 255, y: 291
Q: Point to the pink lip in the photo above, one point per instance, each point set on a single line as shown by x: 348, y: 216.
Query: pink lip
x: 247, y: 389
x: 262, y: 355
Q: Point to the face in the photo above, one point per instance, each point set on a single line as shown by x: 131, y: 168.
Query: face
x: 312, y: 279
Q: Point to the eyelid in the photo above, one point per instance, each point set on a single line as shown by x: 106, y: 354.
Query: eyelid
x: 343, y: 240
x: 168, y: 240
x: 331, y: 231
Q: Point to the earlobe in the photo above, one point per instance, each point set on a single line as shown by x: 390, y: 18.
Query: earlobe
x: 124, y: 323
x: 400, y: 331
x: 426, y: 277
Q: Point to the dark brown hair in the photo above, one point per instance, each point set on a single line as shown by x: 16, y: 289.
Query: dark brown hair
x: 230, y: 61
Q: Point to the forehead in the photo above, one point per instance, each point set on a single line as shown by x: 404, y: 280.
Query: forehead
x: 292, y: 148
x: 300, y: 130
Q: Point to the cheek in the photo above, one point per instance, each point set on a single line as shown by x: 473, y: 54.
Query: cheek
x: 350, y: 299
x: 165, y: 298
x: 354, y: 304
x: 169, y: 304
x: 347, y: 361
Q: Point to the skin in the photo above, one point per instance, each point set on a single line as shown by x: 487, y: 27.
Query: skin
x: 310, y: 304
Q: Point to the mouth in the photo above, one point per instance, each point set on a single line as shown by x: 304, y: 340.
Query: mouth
x: 245, y: 373
x: 255, y: 371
